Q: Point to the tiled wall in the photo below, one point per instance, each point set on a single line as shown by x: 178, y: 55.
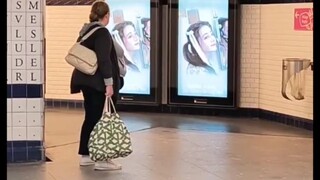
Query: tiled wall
x: 268, y: 36
x: 250, y: 56
x: 59, y: 39
x: 25, y: 78
x: 280, y: 40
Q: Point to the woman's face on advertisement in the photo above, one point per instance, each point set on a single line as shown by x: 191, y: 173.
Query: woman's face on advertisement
x: 206, y: 40
x: 130, y: 38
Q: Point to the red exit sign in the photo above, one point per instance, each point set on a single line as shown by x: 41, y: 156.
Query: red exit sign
x: 303, y: 19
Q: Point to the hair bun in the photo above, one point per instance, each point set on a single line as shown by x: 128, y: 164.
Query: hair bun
x: 93, y: 16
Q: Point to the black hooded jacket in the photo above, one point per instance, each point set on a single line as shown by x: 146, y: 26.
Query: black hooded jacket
x: 108, y: 70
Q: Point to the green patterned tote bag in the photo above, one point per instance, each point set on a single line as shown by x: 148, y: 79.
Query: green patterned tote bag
x: 110, y: 137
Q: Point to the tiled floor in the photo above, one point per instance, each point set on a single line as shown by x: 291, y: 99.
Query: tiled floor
x: 180, y: 147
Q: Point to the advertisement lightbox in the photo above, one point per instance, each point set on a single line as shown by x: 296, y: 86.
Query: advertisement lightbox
x: 130, y: 27
x: 133, y: 25
x: 203, y: 58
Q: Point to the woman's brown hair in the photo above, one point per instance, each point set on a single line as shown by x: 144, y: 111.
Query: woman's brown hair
x: 189, y: 52
x: 121, y: 26
x: 98, y: 10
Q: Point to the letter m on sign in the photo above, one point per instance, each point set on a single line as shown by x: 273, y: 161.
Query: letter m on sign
x: 33, y: 4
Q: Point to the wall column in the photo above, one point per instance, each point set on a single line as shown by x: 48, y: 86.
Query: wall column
x: 25, y: 80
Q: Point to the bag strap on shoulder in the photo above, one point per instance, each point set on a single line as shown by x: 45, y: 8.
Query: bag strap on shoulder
x: 89, y: 33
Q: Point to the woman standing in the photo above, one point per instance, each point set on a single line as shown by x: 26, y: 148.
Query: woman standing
x: 95, y: 88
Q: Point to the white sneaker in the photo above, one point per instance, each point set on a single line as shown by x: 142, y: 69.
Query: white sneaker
x: 107, y: 166
x: 86, y: 161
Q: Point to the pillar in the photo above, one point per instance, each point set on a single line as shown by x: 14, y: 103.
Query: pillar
x: 25, y: 81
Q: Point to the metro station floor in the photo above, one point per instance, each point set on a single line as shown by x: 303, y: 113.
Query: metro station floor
x: 179, y: 147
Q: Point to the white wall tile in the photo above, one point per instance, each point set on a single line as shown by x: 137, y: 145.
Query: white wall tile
x: 34, y: 62
x: 250, y: 49
x: 34, y: 19
x: 9, y: 62
x: 18, y: 5
x: 19, y: 62
x: 42, y: 65
x: 18, y: 33
x: 35, y: 133
x: 18, y: 19
x: 34, y: 77
x: 9, y: 5
x: 35, y: 5
x: 9, y: 76
x: 19, y: 76
x: 19, y: 133
x: 34, y: 48
x: 9, y: 47
x: 9, y: 105
x: 9, y: 119
x: 9, y: 33
x: 34, y: 33
x: 8, y: 19
x: 9, y: 133
x: 58, y: 87
x: 19, y: 119
x: 34, y: 119
x: 18, y: 47
x: 35, y: 105
x: 19, y: 105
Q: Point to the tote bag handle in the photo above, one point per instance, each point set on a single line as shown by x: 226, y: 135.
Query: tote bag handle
x: 108, y: 104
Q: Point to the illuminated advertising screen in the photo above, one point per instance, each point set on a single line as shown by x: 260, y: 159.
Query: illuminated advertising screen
x: 130, y: 27
x: 203, y: 48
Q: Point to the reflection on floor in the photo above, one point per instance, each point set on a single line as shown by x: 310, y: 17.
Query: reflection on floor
x: 180, y: 147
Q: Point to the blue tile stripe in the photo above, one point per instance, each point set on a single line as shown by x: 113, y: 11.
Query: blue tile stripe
x: 25, y: 90
x: 25, y: 151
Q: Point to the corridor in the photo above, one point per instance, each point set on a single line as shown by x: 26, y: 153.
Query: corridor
x: 179, y: 147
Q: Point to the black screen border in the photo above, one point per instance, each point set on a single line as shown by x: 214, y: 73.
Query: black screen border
x: 233, y: 54
x: 153, y: 97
